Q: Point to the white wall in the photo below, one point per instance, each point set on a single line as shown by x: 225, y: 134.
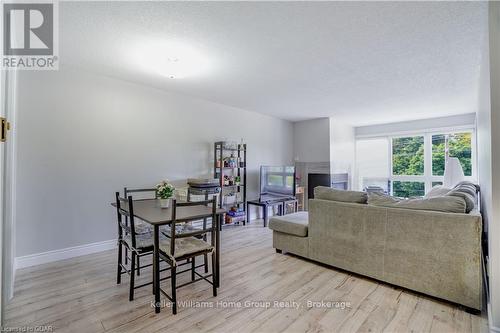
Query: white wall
x: 488, y: 126
x: 311, y: 140
x: 342, y: 149
x: 81, y: 137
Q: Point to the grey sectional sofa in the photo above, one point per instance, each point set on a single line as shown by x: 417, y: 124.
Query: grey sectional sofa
x: 432, y: 252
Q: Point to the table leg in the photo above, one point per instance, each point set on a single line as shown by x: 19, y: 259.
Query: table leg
x: 217, y: 250
x: 265, y: 216
x: 156, y: 268
x: 248, y: 213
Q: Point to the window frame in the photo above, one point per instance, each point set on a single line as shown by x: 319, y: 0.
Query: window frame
x: 428, y: 178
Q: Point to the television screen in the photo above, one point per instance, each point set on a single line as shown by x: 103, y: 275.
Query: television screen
x: 277, y: 181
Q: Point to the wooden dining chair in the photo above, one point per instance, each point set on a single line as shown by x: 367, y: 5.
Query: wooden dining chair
x: 187, y: 245
x: 190, y: 227
x: 141, y: 227
x: 138, y: 245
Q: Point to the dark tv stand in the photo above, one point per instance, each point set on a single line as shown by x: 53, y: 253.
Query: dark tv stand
x: 265, y: 205
x: 281, y: 203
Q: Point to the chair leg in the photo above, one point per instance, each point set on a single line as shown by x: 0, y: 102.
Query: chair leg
x: 214, y: 277
x: 138, y: 267
x: 132, y: 276
x: 193, y: 265
x: 173, y: 273
x: 126, y: 256
x: 119, y: 269
x: 205, y: 256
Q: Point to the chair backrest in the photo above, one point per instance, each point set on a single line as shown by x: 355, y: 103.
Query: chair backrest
x: 129, y: 228
x: 140, y: 193
x: 211, y: 213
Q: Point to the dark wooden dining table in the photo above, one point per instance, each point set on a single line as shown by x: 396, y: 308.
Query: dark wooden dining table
x: 149, y: 211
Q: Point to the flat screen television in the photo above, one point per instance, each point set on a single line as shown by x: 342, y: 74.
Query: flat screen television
x: 277, y: 182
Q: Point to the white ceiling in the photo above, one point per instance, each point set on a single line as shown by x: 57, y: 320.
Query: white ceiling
x: 362, y: 62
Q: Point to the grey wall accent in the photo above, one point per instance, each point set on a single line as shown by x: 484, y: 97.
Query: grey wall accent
x: 323, y: 145
x: 81, y: 137
x: 303, y: 169
x: 311, y: 140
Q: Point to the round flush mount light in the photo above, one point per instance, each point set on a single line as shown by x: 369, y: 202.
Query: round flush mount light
x: 174, y: 60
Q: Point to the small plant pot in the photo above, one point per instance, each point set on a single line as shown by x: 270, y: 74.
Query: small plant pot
x: 164, y: 203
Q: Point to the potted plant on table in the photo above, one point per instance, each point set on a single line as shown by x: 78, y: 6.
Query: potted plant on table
x: 164, y: 192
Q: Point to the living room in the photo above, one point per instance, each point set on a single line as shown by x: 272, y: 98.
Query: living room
x: 172, y: 104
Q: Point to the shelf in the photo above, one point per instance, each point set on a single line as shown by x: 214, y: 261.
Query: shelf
x: 231, y: 149
x: 241, y: 185
x: 233, y: 204
x: 235, y: 220
x: 233, y: 223
x: 238, y: 168
x: 227, y: 168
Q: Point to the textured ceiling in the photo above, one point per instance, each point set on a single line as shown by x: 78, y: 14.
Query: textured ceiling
x: 362, y: 62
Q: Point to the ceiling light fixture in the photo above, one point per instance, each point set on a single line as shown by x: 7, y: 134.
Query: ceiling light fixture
x: 174, y: 60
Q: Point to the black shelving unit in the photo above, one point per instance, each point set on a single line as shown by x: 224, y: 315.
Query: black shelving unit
x: 222, y: 154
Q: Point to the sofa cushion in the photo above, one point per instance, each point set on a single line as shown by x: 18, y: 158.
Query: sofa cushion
x: 437, y: 191
x: 467, y: 188
x: 467, y: 191
x: 293, y: 224
x: 470, y: 201
x: 447, y: 204
x: 328, y: 193
x: 466, y: 182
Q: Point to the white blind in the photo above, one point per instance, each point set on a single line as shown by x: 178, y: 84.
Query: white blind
x: 372, y: 163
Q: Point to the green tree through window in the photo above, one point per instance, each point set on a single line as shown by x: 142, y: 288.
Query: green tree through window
x: 460, y: 146
x: 408, y: 156
x: 408, y: 189
x: 408, y: 160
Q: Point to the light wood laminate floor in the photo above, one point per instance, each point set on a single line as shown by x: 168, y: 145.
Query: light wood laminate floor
x: 81, y: 295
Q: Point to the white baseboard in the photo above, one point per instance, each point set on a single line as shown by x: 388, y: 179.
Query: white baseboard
x: 70, y: 252
x: 493, y: 329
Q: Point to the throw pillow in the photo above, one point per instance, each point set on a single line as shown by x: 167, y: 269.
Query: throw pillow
x: 446, y: 204
x: 437, y: 191
x: 328, y: 193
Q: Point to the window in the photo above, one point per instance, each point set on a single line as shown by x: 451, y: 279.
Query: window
x: 416, y: 162
x: 408, y: 189
x: 458, y: 145
x: 372, y: 164
x: 408, y: 156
